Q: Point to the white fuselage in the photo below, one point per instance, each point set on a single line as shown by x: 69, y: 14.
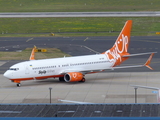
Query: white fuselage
x: 56, y: 67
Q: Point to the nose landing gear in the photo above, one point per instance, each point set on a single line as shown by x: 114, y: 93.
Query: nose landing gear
x: 18, y: 83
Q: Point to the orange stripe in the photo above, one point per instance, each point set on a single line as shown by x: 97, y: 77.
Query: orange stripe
x: 42, y: 77
x: 21, y: 79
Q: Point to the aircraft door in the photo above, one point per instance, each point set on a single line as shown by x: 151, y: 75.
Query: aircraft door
x: 26, y: 69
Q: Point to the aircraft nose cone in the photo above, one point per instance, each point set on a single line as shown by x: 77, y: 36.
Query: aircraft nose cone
x: 6, y: 74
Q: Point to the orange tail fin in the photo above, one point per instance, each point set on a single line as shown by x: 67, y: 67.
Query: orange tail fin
x: 120, y: 47
x: 123, y: 40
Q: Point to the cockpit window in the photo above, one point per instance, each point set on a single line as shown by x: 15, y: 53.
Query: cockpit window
x: 15, y: 69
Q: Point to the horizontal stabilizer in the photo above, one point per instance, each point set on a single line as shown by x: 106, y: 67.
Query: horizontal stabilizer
x: 138, y: 54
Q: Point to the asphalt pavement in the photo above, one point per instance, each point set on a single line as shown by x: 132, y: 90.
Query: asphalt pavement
x: 109, y: 87
x: 76, y: 46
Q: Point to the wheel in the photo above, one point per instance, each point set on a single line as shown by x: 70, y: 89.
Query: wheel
x: 83, y: 80
x: 61, y: 79
x: 18, y: 84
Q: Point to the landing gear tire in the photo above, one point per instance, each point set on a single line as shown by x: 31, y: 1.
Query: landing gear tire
x: 18, y: 84
x: 61, y: 79
x: 83, y: 80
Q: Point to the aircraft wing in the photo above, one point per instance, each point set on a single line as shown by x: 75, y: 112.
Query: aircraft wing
x: 138, y: 54
x: 80, y: 70
x: 146, y: 64
x: 70, y: 70
x: 112, y: 68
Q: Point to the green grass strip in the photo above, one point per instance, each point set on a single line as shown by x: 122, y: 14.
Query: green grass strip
x: 25, y: 54
x: 77, y: 26
x: 78, y: 5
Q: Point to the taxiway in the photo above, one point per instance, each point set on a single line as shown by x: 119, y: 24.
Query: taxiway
x: 108, y: 87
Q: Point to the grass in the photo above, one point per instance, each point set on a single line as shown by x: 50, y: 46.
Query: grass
x: 25, y: 54
x: 76, y: 26
x: 78, y: 5
x: 41, y: 27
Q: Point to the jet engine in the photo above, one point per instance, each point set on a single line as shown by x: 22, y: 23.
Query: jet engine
x: 73, y: 77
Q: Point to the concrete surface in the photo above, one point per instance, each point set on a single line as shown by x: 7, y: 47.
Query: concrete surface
x: 112, y: 87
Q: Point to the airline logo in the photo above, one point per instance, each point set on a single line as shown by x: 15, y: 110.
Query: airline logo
x: 120, y: 48
x: 122, y: 44
x: 42, y: 72
x: 74, y: 75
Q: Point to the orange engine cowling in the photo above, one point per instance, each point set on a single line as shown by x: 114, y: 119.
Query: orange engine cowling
x: 73, y: 77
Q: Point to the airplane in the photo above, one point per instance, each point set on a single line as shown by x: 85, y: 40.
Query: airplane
x: 152, y: 88
x: 74, y: 69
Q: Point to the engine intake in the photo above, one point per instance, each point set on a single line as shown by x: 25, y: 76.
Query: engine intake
x: 73, y: 77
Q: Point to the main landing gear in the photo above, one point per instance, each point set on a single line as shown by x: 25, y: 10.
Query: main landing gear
x: 83, y: 80
x: 18, y: 84
x: 61, y: 79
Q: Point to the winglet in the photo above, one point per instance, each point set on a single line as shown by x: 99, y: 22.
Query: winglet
x: 148, y: 61
x: 32, y: 53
